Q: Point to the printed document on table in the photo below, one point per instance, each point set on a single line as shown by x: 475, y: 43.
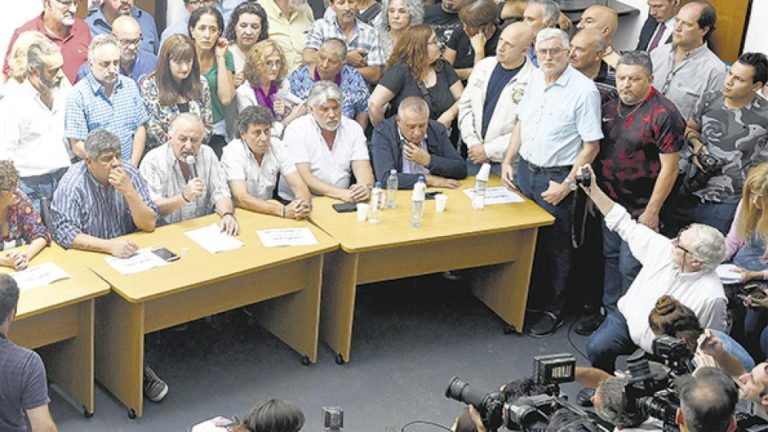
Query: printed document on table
x: 287, y: 237
x: 213, y: 240
x: 39, y: 275
x: 496, y: 195
x: 143, y: 260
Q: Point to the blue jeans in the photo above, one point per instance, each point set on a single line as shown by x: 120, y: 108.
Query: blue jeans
x: 554, y: 252
x: 735, y: 349
x: 609, y: 341
x: 42, y: 186
x: 717, y: 215
x: 756, y: 332
x: 621, y: 268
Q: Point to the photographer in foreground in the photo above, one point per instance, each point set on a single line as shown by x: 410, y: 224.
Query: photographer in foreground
x: 682, y: 267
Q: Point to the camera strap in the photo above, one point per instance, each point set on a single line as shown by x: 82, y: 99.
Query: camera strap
x: 578, y: 218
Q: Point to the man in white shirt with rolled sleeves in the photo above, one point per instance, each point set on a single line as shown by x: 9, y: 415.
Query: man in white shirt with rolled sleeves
x: 558, y: 128
x: 253, y: 163
x: 32, y: 130
x: 329, y: 149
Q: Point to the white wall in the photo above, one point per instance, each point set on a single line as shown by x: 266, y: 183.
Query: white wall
x: 12, y: 18
x: 175, y: 12
x: 757, y: 31
x: 630, y: 25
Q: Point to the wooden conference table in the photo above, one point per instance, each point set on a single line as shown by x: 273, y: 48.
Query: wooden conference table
x: 200, y: 284
x: 501, y: 236
x: 58, y: 320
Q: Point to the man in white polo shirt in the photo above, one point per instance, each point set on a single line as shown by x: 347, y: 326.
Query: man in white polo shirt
x: 329, y: 149
x: 253, y: 163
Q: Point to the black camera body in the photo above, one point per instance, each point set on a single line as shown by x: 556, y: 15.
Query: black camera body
x: 584, y: 178
x: 548, y: 370
x: 696, y: 178
x: 675, y: 355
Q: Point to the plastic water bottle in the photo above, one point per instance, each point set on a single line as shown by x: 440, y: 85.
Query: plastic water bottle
x: 392, y: 189
x: 376, y: 205
x: 481, y: 183
x: 417, y: 202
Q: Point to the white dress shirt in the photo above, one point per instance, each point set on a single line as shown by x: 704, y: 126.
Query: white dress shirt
x: 332, y: 166
x: 239, y: 163
x: 31, y: 135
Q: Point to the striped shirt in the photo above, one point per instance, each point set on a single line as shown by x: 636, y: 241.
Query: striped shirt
x: 89, y: 108
x: 165, y: 179
x: 365, y: 38
x: 83, y: 205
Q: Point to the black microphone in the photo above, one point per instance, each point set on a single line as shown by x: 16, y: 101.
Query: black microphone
x: 191, y: 164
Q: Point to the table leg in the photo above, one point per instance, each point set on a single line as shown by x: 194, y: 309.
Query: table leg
x: 70, y: 362
x: 279, y: 315
x: 338, y: 305
x: 504, y: 287
x: 120, y: 350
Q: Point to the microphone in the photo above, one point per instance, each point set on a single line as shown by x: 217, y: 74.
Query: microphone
x: 191, y: 164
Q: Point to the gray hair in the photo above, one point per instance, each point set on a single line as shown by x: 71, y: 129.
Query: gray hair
x: 600, y: 42
x: 323, y: 91
x: 253, y: 115
x: 101, y: 141
x: 102, y: 40
x: 637, y: 58
x: 550, y: 9
x: 614, y: 406
x: 337, y: 45
x: 709, y: 248
x: 9, y: 296
x: 415, y: 104
x: 18, y: 57
x: 185, y: 117
x: 415, y: 10
x: 553, y: 33
x: 39, y: 51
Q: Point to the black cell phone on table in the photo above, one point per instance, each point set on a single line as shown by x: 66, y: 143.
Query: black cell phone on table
x: 430, y: 195
x: 345, y: 207
x: 165, y: 254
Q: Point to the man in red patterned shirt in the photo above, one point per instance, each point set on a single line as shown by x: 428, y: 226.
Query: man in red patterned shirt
x: 638, y: 162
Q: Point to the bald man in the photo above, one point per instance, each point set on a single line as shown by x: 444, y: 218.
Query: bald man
x: 485, y: 124
x: 587, y: 56
x: 606, y: 21
x: 135, y: 63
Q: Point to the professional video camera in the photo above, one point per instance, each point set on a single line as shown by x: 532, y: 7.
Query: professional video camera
x: 530, y: 413
x: 649, y: 392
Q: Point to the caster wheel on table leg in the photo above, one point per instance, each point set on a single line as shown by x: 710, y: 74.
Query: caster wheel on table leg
x: 131, y: 413
x: 509, y: 329
x: 87, y: 414
x: 305, y: 360
x: 339, y: 359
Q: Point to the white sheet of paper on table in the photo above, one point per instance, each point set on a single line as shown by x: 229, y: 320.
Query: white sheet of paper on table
x: 39, y: 275
x: 213, y: 240
x: 496, y: 195
x: 143, y: 260
x: 727, y: 274
x: 278, y: 237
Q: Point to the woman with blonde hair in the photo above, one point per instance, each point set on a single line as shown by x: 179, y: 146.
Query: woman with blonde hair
x: 175, y: 87
x: 265, y: 84
x: 20, y: 223
x: 416, y: 68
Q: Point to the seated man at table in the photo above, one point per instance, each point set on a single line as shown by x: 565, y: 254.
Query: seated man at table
x: 99, y: 199
x: 23, y: 384
x: 185, y: 179
x: 329, y: 149
x: 253, y: 163
x: 414, y: 145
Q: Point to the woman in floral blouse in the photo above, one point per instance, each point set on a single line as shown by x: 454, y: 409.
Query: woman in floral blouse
x: 175, y: 87
x: 20, y: 223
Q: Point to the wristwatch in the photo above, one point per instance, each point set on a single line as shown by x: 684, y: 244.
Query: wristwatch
x: 571, y: 184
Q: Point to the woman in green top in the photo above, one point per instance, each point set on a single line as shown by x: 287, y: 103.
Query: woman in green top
x: 216, y: 64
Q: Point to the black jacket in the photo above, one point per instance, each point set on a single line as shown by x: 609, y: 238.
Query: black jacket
x: 387, y: 153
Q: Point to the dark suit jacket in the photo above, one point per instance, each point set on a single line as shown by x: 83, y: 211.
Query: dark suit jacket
x: 387, y: 153
x: 647, y: 33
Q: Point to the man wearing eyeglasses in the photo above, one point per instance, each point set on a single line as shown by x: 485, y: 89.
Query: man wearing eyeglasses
x: 59, y: 24
x: 134, y: 62
x: 683, y: 268
x: 557, y: 130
